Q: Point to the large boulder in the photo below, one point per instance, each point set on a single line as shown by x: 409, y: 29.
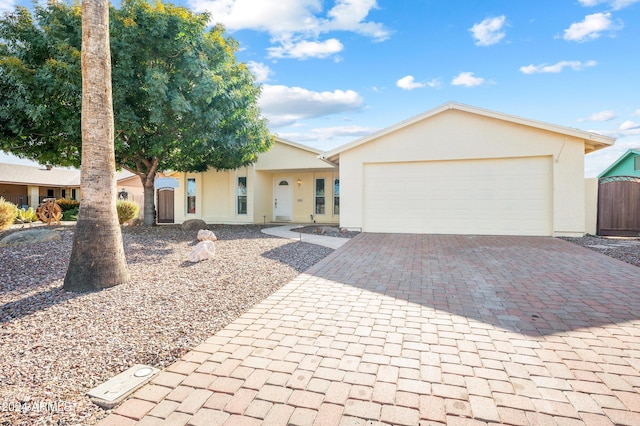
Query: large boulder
x: 193, y: 225
x: 202, y: 251
x: 29, y: 236
x: 206, y: 235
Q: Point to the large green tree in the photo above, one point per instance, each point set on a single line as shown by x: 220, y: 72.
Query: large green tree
x: 97, y: 256
x: 181, y: 100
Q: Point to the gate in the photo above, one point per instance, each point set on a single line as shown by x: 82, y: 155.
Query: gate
x: 165, y: 205
x: 619, y: 206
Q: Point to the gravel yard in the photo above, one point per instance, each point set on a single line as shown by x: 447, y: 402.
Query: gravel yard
x: 625, y: 249
x: 55, y: 346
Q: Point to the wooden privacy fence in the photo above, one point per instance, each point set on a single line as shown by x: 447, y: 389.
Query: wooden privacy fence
x: 619, y: 206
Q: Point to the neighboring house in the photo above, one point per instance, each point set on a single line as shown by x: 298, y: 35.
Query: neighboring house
x: 619, y: 197
x: 627, y: 165
x: 27, y: 186
x: 130, y: 187
x: 459, y: 169
x: 289, y: 183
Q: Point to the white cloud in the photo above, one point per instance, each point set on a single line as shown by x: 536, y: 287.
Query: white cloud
x: 557, y: 67
x: 489, y: 31
x: 626, y: 128
x: 602, y: 116
x: 409, y: 83
x: 284, y: 105
x: 295, y: 25
x: 272, y: 16
x: 350, y: 15
x: 435, y: 83
x: 629, y: 125
x: 322, y: 134
x: 637, y: 112
x: 467, y: 79
x: 260, y: 70
x: 591, y: 28
x: 615, y: 4
x: 305, y: 49
x: 7, y: 5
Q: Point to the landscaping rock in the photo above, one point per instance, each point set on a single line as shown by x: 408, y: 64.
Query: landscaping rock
x: 29, y: 236
x: 202, y: 251
x: 206, y: 235
x: 168, y: 307
x: 194, y: 225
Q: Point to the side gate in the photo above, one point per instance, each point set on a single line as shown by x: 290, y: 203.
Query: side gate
x: 619, y: 206
x: 165, y: 205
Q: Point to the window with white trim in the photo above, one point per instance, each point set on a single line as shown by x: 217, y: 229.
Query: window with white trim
x: 242, y: 195
x: 191, y: 195
x: 336, y: 197
x: 320, y: 197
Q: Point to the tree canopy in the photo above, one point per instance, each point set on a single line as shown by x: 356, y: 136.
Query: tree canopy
x: 181, y: 100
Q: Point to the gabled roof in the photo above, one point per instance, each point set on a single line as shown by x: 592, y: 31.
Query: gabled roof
x: 38, y: 176
x: 593, y: 141
x: 634, y: 152
x: 298, y: 145
x: 18, y: 174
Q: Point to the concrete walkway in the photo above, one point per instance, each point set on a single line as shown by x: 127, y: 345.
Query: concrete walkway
x: 420, y: 330
x: 289, y: 231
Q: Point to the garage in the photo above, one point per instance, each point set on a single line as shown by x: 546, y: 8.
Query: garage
x: 503, y: 196
x: 460, y: 169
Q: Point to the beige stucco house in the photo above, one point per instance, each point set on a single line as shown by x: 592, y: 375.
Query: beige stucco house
x: 459, y: 169
x: 289, y: 183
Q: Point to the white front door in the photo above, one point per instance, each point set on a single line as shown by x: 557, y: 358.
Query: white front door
x: 282, y: 199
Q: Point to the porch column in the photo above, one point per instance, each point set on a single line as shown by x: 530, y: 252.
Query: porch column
x: 34, y: 196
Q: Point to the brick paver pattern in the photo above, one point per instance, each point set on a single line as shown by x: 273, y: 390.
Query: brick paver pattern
x: 420, y: 329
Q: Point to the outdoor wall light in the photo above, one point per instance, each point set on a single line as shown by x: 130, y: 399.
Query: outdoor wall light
x: 299, y: 182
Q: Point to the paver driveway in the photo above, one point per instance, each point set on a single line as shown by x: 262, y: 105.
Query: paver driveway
x: 421, y: 329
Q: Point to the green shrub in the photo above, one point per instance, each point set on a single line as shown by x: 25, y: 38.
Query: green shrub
x: 27, y: 216
x: 70, y: 215
x: 8, y: 214
x: 67, y: 204
x: 127, y: 210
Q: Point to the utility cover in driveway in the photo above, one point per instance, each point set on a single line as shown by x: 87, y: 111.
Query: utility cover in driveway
x: 113, y: 391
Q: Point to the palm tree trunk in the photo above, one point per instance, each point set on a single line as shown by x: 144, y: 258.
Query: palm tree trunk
x: 97, y: 257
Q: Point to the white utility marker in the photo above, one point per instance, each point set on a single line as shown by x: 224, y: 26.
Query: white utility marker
x: 113, y: 391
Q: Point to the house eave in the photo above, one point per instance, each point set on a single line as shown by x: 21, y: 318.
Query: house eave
x: 592, y: 141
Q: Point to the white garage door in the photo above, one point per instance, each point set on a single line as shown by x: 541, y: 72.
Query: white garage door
x: 483, y: 197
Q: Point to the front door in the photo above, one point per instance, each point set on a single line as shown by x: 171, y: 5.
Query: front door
x: 282, y: 199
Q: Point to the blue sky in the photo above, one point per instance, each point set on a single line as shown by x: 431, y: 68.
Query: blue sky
x: 336, y: 70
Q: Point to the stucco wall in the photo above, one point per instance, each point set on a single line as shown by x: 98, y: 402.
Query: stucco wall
x: 303, y: 196
x: 216, y: 196
x: 591, y: 205
x: 283, y: 156
x: 455, y: 134
x: 216, y: 191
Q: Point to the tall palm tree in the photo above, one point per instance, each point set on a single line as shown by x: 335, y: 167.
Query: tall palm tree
x: 97, y: 257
